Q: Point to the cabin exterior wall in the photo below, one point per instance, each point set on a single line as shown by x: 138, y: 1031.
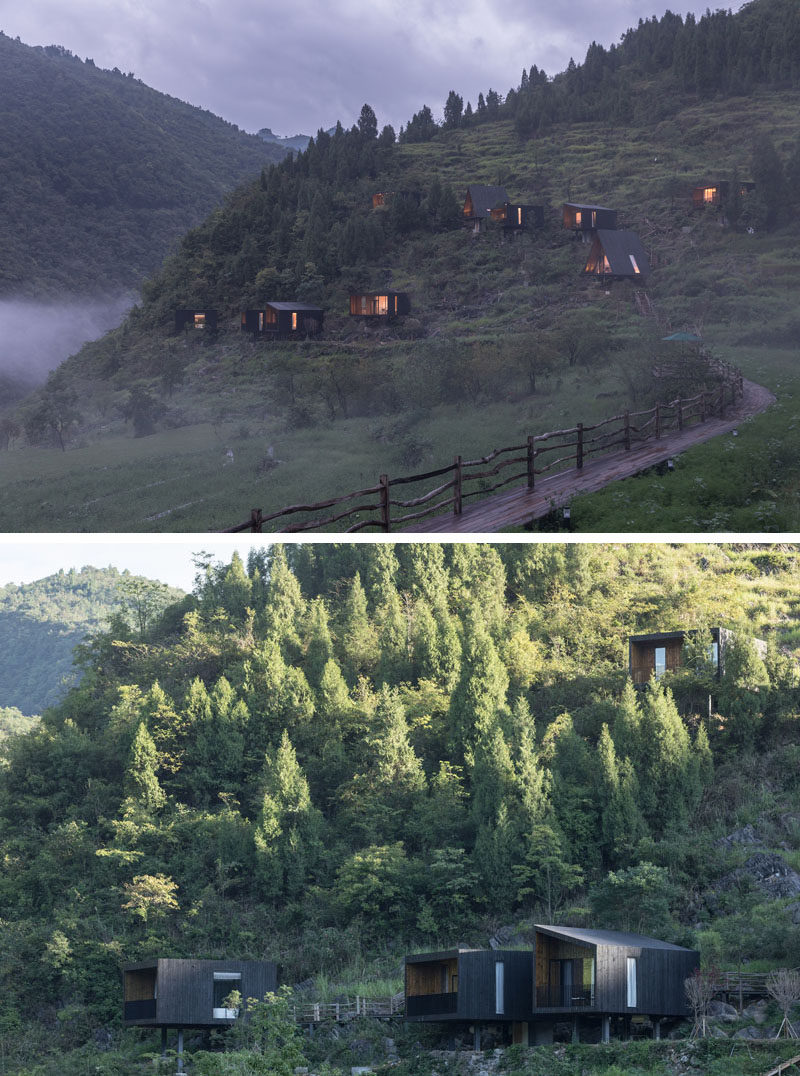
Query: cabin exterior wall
x: 185, y: 990
x: 431, y: 978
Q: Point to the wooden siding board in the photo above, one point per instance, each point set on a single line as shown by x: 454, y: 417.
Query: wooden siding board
x: 186, y: 989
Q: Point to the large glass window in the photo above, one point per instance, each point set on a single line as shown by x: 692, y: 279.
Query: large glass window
x: 225, y: 982
x: 660, y: 660
x: 631, y: 982
x: 499, y: 987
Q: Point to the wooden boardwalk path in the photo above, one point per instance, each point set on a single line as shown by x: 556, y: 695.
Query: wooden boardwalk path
x: 518, y: 506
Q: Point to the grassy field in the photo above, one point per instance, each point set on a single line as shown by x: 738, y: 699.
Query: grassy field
x: 263, y: 426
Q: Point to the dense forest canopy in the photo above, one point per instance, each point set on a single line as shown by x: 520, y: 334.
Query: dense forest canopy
x: 331, y: 750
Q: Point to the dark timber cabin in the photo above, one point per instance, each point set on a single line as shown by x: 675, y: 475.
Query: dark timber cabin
x: 517, y: 217
x: 715, y: 193
x: 480, y: 203
x: 470, y: 986
x: 595, y: 975
x: 662, y: 651
x: 195, y: 319
x: 284, y: 321
x: 585, y: 219
x: 379, y: 304
x: 617, y: 255
x: 191, y: 993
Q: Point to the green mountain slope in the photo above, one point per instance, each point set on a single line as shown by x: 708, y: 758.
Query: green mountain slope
x: 41, y: 623
x: 505, y: 339
x: 99, y: 174
x: 337, y: 754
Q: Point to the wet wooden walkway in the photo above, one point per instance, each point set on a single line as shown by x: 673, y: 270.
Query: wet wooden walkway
x: 518, y: 506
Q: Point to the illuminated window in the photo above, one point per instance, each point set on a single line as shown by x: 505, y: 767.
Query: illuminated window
x: 261, y: 321
x: 519, y: 215
x: 594, y: 219
x: 199, y: 321
x: 383, y: 304
x: 606, y: 265
x: 363, y: 304
x: 578, y: 218
x: 395, y: 304
x: 709, y: 194
x: 294, y: 319
x: 636, y: 268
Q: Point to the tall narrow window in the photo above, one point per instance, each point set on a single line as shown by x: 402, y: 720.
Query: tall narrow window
x: 636, y: 268
x: 660, y: 660
x: 631, y: 982
x: 578, y: 216
x: 499, y: 987
x: 199, y: 321
x: 519, y: 215
x: 294, y: 319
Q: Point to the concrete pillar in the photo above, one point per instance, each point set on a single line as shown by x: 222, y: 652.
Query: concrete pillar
x: 180, y: 1049
x: 476, y: 1041
x: 576, y: 1031
x: 606, y: 1032
x: 657, y: 1029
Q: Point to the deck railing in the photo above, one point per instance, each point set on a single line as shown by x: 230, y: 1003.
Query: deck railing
x: 315, y: 1012
x: 540, y: 454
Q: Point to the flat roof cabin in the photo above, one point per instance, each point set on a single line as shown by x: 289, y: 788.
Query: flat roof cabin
x: 658, y: 652
x: 195, y: 319
x: 382, y: 304
x: 468, y: 985
x: 284, y: 320
x: 179, y: 993
x: 587, y: 218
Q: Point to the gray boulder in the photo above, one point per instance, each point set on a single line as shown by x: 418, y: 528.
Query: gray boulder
x: 721, y: 1010
x: 744, y: 835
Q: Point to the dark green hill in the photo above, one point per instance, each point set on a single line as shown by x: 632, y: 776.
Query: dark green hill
x: 41, y: 623
x: 99, y: 174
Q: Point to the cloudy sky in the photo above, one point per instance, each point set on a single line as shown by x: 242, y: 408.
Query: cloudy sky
x: 301, y: 65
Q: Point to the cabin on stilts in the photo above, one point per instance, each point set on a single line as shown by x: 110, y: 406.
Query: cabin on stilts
x: 600, y: 978
x: 195, y: 319
x: 584, y: 220
x: 617, y: 255
x: 481, y: 201
x: 663, y: 651
x: 284, y: 321
x: 384, y: 304
x: 173, y: 993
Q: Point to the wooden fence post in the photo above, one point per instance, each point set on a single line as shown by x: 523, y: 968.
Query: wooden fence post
x: 457, y: 488
x: 531, y: 462
x: 627, y: 431
x: 256, y: 521
x: 658, y: 420
x: 579, y: 449
x: 385, y: 520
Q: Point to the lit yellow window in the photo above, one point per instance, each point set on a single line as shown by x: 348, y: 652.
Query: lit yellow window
x: 383, y: 304
x: 709, y: 193
x: 199, y: 321
x: 519, y: 215
x: 294, y: 319
x: 636, y: 268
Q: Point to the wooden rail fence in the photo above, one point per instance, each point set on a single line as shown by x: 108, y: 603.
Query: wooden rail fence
x: 538, y: 455
x: 316, y: 1012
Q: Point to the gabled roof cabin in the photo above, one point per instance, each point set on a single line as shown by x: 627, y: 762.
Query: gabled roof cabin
x: 484, y: 203
x: 195, y: 319
x: 609, y: 972
x: 617, y: 255
x: 191, y: 993
x: 586, y: 218
x: 469, y: 985
x: 284, y: 321
x: 385, y: 304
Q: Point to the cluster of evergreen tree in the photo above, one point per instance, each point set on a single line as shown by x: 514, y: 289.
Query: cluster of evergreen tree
x: 332, y: 743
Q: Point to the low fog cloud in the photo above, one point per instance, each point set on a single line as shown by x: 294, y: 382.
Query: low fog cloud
x: 36, y: 337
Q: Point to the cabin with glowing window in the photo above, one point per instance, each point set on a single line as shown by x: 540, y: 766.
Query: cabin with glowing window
x: 617, y: 255
x: 595, y: 976
x: 385, y: 304
x: 284, y: 321
x: 195, y: 319
x: 584, y: 219
x: 482, y: 202
x: 715, y: 193
x: 171, y: 993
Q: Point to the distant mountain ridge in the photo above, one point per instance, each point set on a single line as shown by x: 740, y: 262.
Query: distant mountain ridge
x: 297, y: 142
x: 100, y: 174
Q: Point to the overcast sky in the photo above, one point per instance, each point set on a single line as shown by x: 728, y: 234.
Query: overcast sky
x: 299, y: 66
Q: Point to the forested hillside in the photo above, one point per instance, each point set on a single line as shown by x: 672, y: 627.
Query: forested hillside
x: 41, y: 623
x: 100, y: 175
x: 332, y: 755
x: 506, y: 337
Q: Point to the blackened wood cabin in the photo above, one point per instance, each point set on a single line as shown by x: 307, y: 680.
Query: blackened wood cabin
x: 585, y: 219
x: 607, y: 974
x: 470, y: 986
x: 481, y: 202
x: 517, y: 217
x: 196, y: 319
x: 191, y: 993
x: 715, y: 193
x: 662, y: 651
x: 617, y: 255
x: 379, y: 304
x: 284, y: 321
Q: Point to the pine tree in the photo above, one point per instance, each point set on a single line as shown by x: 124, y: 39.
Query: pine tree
x: 357, y: 638
x: 141, y: 783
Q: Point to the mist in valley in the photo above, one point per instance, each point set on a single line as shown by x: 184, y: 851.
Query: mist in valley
x: 36, y: 337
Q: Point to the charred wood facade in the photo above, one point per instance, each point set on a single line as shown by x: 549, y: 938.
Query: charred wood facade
x: 468, y: 985
x: 384, y: 304
x: 195, y: 320
x: 284, y: 321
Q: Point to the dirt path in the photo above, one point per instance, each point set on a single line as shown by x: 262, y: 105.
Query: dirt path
x: 517, y: 506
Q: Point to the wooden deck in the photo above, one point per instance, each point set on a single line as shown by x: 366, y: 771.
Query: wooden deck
x: 516, y: 507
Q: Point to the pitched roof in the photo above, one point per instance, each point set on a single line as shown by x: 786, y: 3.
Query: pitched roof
x: 619, y: 247
x: 299, y: 307
x: 485, y: 199
x: 608, y: 937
